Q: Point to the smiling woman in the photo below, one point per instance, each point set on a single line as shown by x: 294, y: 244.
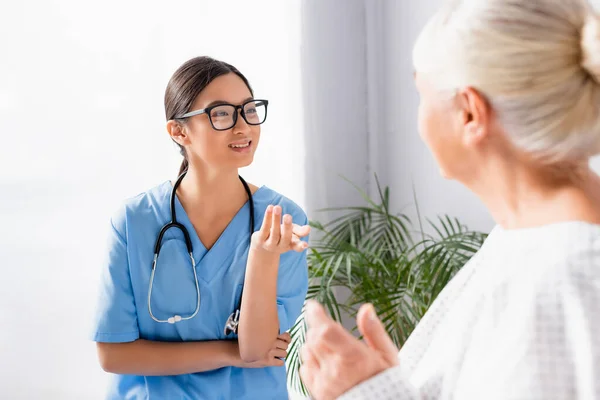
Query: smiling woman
x: 95, y: 78
x: 171, y: 333
x: 219, y: 85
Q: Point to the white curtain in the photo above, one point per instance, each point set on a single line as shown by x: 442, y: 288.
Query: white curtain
x: 342, y: 87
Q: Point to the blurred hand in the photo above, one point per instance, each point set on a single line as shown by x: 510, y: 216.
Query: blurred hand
x: 333, y: 361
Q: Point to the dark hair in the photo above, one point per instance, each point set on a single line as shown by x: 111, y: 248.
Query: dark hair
x: 186, y: 84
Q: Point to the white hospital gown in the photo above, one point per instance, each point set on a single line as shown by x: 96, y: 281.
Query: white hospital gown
x: 520, y: 321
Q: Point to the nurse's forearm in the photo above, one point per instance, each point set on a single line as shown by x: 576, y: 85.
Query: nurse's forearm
x: 259, y: 324
x: 150, y: 358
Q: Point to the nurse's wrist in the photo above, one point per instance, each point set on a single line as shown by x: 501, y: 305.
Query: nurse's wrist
x: 233, y: 354
x: 259, y: 250
x: 236, y: 358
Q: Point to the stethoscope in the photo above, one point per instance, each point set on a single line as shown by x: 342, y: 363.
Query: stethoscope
x: 231, y: 326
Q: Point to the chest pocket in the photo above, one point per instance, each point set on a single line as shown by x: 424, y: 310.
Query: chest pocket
x: 174, y: 286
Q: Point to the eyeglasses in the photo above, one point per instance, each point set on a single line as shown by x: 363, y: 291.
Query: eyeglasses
x: 224, y: 116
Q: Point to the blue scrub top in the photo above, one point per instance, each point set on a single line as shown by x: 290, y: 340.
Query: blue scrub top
x: 122, y: 314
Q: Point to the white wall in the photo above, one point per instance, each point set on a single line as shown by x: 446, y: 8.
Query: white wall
x: 82, y: 125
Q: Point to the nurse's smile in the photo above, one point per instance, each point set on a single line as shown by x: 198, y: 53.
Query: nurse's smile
x: 241, y: 146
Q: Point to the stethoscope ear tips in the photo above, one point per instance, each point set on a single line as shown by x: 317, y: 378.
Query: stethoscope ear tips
x: 173, y: 319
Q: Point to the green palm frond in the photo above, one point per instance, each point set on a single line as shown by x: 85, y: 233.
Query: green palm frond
x: 377, y: 257
x: 293, y: 363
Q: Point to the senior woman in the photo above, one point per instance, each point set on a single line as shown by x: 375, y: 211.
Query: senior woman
x: 510, y: 107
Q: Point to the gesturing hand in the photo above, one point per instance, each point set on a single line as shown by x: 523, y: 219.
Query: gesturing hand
x: 275, y: 357
x: 333, y: 361
x: 279, y: 238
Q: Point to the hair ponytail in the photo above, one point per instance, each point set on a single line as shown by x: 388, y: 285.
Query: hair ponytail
x: 537, y: 63
x: 184, y: 165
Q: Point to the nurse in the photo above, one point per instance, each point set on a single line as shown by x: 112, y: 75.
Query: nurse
x: 160, y: 327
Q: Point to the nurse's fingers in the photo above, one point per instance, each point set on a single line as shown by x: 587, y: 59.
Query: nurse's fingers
x: 285, y: 336
x: 286, y: 232
x: 298, y: 245
x: 281, y: 344
x: 276, y: 362
x: 301, y: 231
x: 275, y: 233
x: 265, y: 229
x: 278, y: 353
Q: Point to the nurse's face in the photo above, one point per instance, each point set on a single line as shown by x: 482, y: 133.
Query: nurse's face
x: 221, y: 149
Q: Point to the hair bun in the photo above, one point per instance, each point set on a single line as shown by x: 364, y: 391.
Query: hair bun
x: 590, y: 46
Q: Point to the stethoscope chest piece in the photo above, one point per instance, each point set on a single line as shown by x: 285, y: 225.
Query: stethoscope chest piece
x: 231, y: 326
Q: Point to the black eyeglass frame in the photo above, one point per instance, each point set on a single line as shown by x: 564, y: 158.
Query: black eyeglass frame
x: 241, y: 107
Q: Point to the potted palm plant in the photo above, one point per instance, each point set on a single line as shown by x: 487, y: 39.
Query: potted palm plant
x: 370, y: 254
